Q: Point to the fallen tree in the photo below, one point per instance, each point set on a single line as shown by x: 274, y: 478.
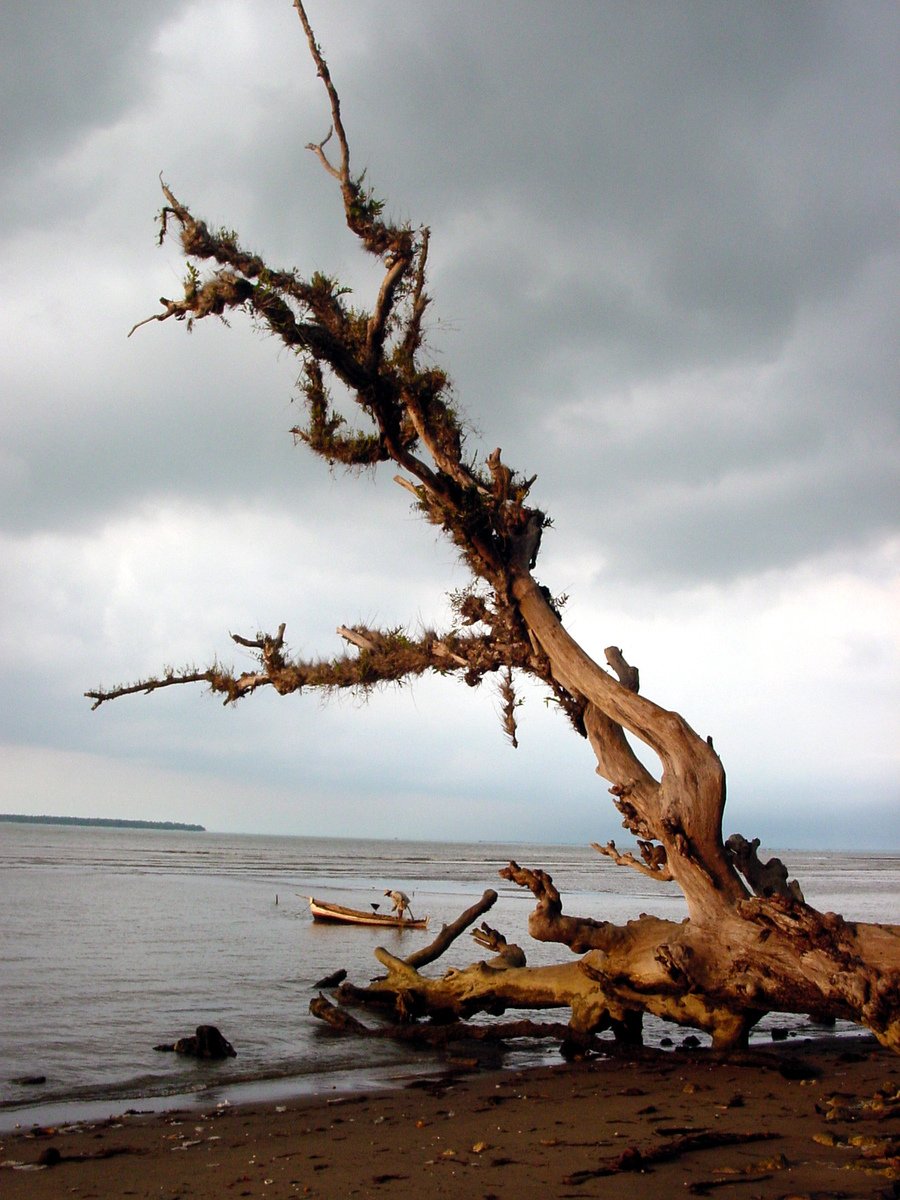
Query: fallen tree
x: 750, y: 944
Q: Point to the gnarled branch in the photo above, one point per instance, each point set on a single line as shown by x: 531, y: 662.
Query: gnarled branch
x: 654, y: 857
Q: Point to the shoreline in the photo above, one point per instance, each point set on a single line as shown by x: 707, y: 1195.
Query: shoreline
x: 240, y: 1093
x: 359, y: 1078
x: 812, y: 1116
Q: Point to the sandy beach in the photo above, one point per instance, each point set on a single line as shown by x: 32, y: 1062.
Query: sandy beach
x: 810, y: 1118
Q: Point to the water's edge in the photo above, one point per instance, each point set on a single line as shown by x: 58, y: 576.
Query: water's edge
x: 325, y: 1088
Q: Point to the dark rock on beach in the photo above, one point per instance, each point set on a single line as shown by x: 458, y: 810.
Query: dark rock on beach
x: 207, y: 1042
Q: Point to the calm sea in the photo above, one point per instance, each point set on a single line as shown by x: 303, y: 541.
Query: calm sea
x: 113, y: 940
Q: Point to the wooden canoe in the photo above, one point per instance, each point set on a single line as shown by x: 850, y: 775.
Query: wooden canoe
x: 324, y: 910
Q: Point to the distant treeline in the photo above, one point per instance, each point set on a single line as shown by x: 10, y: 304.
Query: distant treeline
x: 108, y: 822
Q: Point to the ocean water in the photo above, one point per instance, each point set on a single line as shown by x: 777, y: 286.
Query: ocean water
x: 114, y: 940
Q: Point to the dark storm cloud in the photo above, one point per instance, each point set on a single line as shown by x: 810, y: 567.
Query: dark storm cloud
x: 619, y: 197
x: 735, y: 178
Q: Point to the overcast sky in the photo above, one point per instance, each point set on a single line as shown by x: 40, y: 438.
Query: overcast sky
x: 665, y: 270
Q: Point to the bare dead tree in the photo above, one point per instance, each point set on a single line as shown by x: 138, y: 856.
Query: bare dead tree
x: 738, y: 955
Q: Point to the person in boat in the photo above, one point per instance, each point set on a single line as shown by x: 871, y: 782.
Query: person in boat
x: 399, y: 904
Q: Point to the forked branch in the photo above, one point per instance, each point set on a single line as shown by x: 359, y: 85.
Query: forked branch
x: 654, y: 858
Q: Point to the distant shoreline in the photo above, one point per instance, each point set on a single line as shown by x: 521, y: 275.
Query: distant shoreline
x: 105, y: 822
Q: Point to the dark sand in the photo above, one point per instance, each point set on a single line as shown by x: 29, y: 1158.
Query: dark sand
x: 830, y: 1110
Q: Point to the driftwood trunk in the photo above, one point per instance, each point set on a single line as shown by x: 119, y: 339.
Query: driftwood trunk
x: 737, y: 957
x: 764, y: 954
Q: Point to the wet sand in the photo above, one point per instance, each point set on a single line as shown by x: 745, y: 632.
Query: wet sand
x: 816, y: 1118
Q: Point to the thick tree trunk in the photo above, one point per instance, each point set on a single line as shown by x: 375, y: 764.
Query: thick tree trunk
x: 683, y: 809
x: 742, y: 955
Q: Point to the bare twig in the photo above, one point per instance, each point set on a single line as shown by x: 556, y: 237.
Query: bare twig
x: 343, y: 173
x: 101, y: 695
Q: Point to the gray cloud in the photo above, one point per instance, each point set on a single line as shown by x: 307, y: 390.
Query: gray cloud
x: 66, y: 69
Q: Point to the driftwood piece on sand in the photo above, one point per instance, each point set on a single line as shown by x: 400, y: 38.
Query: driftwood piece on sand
x: 635, y: 1159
